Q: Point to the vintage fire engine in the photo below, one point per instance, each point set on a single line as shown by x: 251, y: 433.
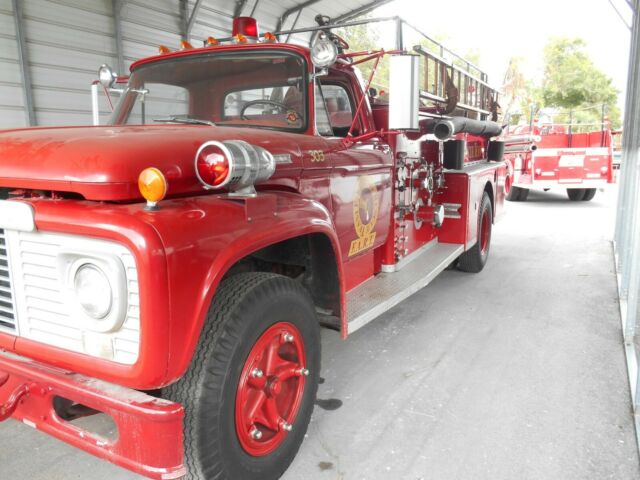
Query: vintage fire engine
x: 172, y: 269
x: 551, y: 155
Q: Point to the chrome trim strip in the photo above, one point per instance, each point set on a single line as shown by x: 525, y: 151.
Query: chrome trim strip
x: 391, y: 285
x: 409, y: 258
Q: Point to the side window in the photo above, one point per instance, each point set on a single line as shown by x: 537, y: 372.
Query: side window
x: 339, y: 109
x: 322, y: 117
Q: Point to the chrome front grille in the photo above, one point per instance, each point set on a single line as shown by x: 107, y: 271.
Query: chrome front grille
x: 7, y: 307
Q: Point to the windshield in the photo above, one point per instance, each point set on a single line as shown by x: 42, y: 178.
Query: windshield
x: 256, y: 89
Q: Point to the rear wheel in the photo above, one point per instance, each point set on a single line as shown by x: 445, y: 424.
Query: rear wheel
x: 474, y: 259
x: 249, y: 392
x: 575, y: 194
x: 517, y: 194
x: 589, y: 194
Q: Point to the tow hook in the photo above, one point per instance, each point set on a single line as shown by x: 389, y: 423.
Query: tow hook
x: 9, y: 407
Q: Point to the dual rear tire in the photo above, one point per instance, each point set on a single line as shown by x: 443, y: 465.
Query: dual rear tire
x: 517, y: 194
x: 474, y: 259
x: 581, y: 194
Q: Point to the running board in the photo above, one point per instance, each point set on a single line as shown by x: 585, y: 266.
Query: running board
x: 386, y: 290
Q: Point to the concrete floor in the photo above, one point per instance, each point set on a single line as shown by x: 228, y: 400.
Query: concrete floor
x: 514, y: 373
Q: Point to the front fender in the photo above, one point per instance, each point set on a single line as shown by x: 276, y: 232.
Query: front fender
x: 205, y: 236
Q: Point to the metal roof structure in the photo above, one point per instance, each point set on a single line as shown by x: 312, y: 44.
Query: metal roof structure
x: 50, y: 50
x: 272, y: 14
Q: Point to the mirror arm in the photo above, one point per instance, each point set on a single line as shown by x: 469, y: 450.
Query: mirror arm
x: 348, y: 141
x: 377, y: 56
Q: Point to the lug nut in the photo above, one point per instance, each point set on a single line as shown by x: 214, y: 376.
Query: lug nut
x: 256, y: 434
x: 287, y: 337
x: 303, y: 372
x: 287, y: 427
x: 256, y: 373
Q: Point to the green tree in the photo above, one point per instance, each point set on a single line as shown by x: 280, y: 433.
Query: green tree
x: 572, y: 82
x: 362, y: 38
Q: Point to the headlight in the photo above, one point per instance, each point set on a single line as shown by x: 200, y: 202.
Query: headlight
x: 93, y: 291
x: 324, y: 52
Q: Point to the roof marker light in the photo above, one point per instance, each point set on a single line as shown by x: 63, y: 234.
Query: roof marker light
x: 162, y: 49
x: 212, y: 42
x: 185, y: 45
x: 239, y: 38
x: 270, y: 38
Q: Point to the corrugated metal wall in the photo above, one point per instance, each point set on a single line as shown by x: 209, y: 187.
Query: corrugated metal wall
x: 627, y: 235
x: 11, y: 95
x: 67, y: 40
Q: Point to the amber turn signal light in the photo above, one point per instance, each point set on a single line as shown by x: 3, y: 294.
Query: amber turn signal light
x: 270, y: 38
x: 239, y: 38
x: 152, y: 186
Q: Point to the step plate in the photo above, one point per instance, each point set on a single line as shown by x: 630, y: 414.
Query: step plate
x: 386, y: 290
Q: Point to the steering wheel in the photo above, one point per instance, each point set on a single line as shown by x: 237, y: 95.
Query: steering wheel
x: 265, y: 101
x: 342, y: 43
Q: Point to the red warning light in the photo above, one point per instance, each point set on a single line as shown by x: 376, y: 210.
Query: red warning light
x: 247, y: 26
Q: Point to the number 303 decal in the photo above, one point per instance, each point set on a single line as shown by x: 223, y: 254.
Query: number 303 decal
x: 316, y: 155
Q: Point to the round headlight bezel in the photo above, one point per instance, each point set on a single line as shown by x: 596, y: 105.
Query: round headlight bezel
x: 90, y: 268
x: 70, y: 262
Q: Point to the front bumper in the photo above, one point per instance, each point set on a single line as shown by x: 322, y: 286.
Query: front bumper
x: 149, y: 440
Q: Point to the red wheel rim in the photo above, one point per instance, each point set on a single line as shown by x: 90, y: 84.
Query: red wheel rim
x: 507, y: 184
x: 485, y: 225
x: 270, y: 389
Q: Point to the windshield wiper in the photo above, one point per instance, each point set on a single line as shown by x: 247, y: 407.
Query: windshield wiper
x: 187, y: 120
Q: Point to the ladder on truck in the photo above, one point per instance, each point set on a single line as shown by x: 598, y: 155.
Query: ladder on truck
x: 450, y: 86
x: 456, y: 90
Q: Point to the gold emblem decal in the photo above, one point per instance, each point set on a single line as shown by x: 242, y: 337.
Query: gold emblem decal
x: 366, y: 205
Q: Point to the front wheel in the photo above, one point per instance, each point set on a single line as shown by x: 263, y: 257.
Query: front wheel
x: 249, y: 392
x: 474, y: 259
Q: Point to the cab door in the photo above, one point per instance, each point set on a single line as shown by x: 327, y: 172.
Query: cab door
x: 360, y: 184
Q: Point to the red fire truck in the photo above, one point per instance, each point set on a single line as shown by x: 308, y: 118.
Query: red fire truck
x: 172, y: 269
x: 548, y: 155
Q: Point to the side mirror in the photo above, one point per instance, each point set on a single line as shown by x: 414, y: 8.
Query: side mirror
x: 107, y: 76
x: 404, y: 92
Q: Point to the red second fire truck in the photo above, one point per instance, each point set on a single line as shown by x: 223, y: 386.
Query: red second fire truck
x: 550, y: 155
x: 172, y: 269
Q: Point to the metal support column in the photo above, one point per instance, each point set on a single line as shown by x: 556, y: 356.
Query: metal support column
x: 237, y: 11
x: 187, y: 20
x: 399, y: 41
x: 117, y: 26
x: 627, y: 233
x: 23, y: 60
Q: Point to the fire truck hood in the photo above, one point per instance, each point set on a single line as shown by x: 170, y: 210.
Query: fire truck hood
x: 103, y: 163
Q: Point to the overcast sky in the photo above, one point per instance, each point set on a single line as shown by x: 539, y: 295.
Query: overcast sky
x: 500, y: 29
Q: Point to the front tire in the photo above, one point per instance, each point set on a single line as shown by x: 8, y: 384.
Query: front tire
x: 249, y: 392
x: 474, y: 259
